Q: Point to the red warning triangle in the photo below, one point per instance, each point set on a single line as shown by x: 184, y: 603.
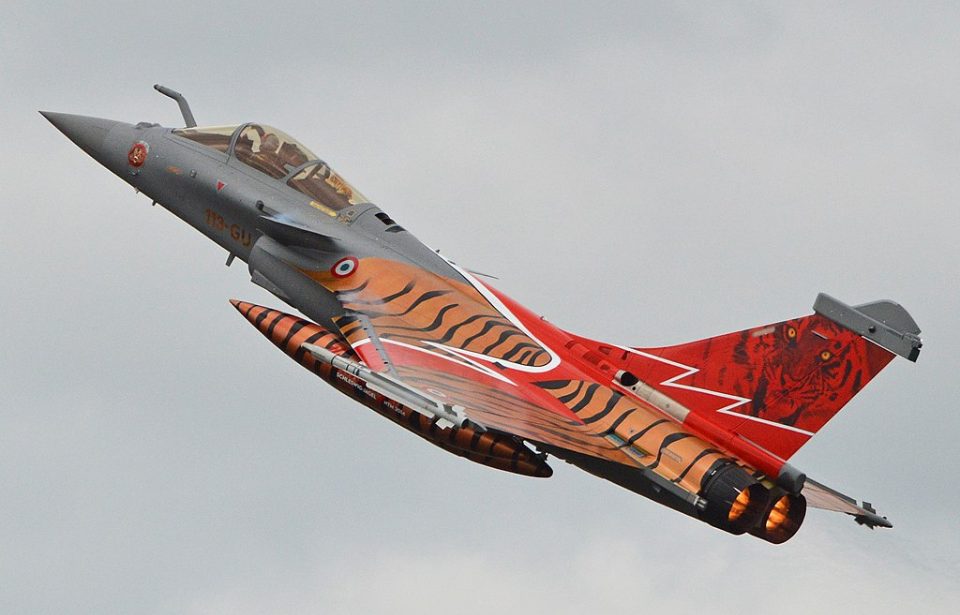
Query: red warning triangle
x: 220, y: 186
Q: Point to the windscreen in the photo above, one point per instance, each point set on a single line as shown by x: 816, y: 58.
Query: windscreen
x: 216, y: 137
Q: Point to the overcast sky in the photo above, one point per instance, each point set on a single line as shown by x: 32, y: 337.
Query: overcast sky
x: 643, y: 173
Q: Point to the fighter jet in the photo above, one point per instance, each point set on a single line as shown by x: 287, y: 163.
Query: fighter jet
x: 706, y: 428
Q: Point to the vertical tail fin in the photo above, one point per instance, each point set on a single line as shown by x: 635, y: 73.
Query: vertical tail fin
x: 777, y: 385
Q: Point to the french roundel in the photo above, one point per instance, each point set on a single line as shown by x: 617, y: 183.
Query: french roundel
x: 344, y: 267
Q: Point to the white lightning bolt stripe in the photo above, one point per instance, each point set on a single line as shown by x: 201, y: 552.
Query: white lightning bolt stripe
x: 466, y: 357
x: 689, y: 371
x: 465, y: 361
x: 506, y: 313
x: 736, y: 399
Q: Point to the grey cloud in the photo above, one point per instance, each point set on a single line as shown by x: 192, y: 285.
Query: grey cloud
x: 645, y: 173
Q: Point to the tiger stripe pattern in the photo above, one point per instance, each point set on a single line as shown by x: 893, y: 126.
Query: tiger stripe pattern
x: 499, y: 409
x: 658, y: 444
x: 407, y: 304
x: 290, y: 333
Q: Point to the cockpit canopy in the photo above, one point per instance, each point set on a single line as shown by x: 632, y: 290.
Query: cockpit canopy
x: 270, y: 151
x: 280, y: 156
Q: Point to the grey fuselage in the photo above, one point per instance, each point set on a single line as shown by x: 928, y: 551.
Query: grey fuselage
x: 233, y: 204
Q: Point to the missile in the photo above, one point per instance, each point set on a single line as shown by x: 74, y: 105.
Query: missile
x: 447, y: 414
x: 444, y: 425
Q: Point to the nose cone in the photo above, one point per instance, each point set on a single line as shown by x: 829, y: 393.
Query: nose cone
x: 87, y: 132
